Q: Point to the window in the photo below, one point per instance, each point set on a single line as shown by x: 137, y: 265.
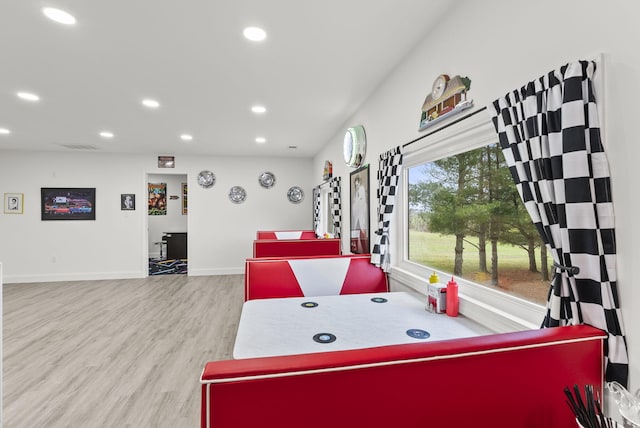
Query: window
x: 457, y: 193
x: 467, y: 219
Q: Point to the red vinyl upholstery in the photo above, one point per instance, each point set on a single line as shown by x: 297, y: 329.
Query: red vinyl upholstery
x: 500, y: 380
x: 267, y: 278
x: 271, y: 234
x: 296, y: 247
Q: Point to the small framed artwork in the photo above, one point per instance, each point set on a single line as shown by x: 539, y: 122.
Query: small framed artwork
x: 13, y: 203
x: 359, y: 187
x: 127, y: 202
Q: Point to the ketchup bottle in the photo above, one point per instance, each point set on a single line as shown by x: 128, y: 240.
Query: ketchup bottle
x: 452, y: 298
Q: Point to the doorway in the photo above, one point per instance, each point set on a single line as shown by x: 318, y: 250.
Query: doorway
x: 167, y: 226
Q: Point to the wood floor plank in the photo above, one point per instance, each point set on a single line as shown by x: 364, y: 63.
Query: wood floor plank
x: 114, y: 353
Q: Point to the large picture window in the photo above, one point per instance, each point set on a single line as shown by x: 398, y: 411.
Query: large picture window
x: 465, y: 218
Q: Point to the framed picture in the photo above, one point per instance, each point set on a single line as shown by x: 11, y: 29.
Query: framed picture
x: 68, y: 203
x: 127, y: 202
x: 359, y: 186
x: 185, y: 210
x: 13, y: 203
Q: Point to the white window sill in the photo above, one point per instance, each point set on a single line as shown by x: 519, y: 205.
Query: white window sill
x: 497, y: 311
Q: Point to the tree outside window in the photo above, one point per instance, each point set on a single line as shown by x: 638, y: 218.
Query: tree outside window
x: 466, y: 218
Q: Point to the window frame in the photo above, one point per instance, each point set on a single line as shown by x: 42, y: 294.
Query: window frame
x: 500, y: 312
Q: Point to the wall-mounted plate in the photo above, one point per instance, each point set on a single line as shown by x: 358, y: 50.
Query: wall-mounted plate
x: 267, y: 180
x: 206, y: 179
x: 295, y: 195
x: 237, y: 194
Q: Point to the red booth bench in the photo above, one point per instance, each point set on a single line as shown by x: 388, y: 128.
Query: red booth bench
x: 286, y: 234
x: 296, y: 247
x: 498, y: 380
x: 312, y: 276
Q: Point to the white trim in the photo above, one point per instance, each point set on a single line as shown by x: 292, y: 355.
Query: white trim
x: 397, y: 362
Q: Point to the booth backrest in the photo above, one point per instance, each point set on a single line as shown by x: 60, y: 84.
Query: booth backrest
x: 500, y: 380
x: 286, y: 234
x: 296, y: 247
x: 312, y: 276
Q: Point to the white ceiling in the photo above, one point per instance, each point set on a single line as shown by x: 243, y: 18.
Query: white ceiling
x: 319, y: 63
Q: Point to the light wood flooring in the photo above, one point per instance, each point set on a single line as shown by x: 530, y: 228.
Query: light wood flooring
x: 114, y: 353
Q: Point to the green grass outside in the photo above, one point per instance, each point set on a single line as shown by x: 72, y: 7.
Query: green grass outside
x: 437, y: 251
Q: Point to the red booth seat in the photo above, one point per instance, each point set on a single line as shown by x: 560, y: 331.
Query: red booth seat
x: 267, y: 278
x: 286, y: 234
x: 296, y: 247
x: 499, y: 380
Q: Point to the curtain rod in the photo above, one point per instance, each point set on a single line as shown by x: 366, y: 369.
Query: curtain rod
x: 460, y: 119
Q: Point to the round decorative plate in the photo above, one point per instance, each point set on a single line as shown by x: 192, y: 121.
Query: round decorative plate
x: 295, y: 195
x: 267, y: 180
x: 237, y: 194
x: 206, y: 179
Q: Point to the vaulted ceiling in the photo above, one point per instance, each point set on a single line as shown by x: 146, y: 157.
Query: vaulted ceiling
x: 319, y: 62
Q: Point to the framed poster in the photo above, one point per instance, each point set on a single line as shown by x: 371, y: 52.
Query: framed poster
x: 68, y: 203
x: 13, y: 203
x: 157, y: 198
x: 359, y: 201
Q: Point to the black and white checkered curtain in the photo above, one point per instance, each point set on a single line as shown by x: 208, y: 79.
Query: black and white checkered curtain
x: 336, y: 206
x: 389, y: 167
x: 550, y: 137
x: 316, y: 210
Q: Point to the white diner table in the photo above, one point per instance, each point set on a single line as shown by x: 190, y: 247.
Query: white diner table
x: 300, y: 325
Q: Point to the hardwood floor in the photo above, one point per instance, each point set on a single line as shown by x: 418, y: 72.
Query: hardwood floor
x: 115, y: 353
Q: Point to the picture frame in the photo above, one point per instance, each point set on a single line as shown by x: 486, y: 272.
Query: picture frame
x: 127, y: 202
x: 13, y: 203
x: 68, y: 203
x: 185, y: 209
x: 359, y: 237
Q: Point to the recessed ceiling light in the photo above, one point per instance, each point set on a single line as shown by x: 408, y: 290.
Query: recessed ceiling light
x: 4, y: 131
x: 186, y: 137
x: 259, y: 109
x: 106, y: 134
x: 255, y: 34
x: 59, y: 16
x: 261, y: 140
x: 28, y: 96
x: 148, y: 102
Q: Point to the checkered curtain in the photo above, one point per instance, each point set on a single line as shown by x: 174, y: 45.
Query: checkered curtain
x: 316, y: 210
x: 388, y: 176
x: 550, y: 137
x: 336, y: 206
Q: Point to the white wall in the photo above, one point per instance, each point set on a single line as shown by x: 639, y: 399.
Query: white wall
x: 115, y: 244
x: 501, y: 45
x: 174, y: 220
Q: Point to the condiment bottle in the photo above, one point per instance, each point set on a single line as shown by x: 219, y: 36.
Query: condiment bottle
x: 452, y: 298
